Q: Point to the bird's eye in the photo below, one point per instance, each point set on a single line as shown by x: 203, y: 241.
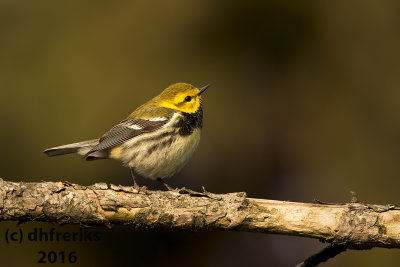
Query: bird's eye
x: 188, y: 98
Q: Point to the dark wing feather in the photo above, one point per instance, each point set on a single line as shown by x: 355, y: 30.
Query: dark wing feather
x: 126, y: 130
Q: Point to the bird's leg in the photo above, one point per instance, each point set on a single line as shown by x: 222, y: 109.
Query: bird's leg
x: 165, y: 184
x: 135, y: 184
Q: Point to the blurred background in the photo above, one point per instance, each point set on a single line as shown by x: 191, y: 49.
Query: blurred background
x: 304, y: 104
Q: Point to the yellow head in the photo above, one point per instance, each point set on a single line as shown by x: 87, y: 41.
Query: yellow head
x: 181, y: 96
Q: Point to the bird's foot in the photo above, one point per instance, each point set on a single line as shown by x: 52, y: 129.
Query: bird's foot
x: 166, y: 185
x: 193, y: 193
x: 136, y: 186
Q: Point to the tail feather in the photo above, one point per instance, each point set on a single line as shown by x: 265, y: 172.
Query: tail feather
x: 81, y: 148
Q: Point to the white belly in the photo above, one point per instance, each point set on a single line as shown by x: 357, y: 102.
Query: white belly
x: 159, y: 159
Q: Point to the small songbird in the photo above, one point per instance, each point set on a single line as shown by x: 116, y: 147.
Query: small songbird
x: 156, y: 140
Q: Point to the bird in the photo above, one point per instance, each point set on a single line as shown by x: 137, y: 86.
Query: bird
x: 156, y: 140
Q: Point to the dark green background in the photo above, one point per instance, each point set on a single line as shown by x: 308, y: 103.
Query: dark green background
x: 304, y: 104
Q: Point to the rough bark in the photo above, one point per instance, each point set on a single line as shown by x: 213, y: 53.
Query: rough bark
x: 355, y: 225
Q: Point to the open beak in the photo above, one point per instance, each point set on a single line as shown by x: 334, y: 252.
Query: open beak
x: 203, y: 88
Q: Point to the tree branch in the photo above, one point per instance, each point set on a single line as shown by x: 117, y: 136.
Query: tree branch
x: 322, y: 256
x: 353, y: 225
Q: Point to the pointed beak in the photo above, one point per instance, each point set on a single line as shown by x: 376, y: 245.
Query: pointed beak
x: 203, y: 88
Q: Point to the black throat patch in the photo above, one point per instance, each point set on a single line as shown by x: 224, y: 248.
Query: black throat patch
x: 190, y: 121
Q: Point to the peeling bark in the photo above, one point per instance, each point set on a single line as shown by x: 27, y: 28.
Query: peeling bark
x: 355, y: 225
